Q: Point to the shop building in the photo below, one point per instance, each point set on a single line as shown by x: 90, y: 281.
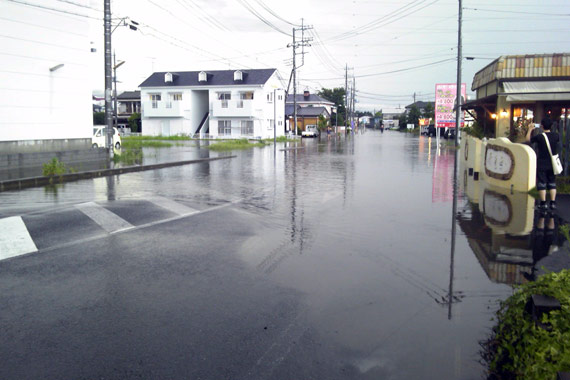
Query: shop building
x: 515, y: 91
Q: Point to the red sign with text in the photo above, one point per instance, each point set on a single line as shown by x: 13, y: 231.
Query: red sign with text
x: 445, y: 94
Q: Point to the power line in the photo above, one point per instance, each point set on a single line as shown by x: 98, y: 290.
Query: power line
x: 518, y: 12
x: 53, y: 9
x: 248, y: 6
x: 396, y: 71
x: 268, y: 9
x: 386, y: 20
x: 79, y: 5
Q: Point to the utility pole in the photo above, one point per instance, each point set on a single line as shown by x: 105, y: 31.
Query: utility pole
x: 458, y: 96
x: 108, y: 78
x: 345, y: 97
x: 304, y: 42
x: 353, y: 102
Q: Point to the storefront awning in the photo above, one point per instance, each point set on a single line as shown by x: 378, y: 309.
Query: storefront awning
x: 538, y: 97
x: 537, y: 90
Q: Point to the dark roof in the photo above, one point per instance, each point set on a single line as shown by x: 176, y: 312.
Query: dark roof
x: 312, y: 98
x: 215, y: 78
x: 312, y: 111
x: 130, y: 95
x: 419, y: 104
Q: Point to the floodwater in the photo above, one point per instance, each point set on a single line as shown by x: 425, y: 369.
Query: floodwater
x: 362, y: 228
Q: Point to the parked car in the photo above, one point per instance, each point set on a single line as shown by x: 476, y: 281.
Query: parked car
x: 98, y: 138
x: 310, y: 131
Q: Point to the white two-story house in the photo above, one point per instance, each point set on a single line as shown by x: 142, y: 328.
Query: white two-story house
x: 218, y: 104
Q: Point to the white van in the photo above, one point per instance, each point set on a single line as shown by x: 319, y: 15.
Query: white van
x: 310, y: 131
x: 98, y: 138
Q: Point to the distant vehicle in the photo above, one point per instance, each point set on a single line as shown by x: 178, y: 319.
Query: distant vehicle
x: 310, y: 131
x: 449, y: 133
x: 98, y: 138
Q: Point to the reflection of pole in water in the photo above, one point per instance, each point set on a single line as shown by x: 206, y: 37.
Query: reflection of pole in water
x: 111, y: 188
x: 453, y: 232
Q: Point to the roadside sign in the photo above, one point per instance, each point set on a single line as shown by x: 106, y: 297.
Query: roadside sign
x: 445, y: 94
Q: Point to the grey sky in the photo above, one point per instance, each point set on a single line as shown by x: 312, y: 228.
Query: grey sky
x: 395, y: 47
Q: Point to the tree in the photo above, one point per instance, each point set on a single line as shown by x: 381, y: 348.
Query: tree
x: 135, y: 122
x: 322, y: 124
x: 98, y: 118
x: 428, y: 111
x: 335, y: 95
x: 402, y: 120
x: 378, y: 114
x: 413, y: 116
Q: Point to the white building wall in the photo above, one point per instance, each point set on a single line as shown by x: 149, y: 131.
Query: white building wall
x: 36, y: 103
x: 198, y: 101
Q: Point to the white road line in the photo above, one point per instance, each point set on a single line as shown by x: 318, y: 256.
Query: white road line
x: 171, y: 205
x: 109, y: 221
x: 134, y: 228
x: 15, y: 240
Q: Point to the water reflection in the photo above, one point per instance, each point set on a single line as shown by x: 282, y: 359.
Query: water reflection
x: 506, y: 234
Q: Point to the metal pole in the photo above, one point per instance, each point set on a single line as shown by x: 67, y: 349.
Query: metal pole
x: 294, y: 84
x: 345, y: 98
x: 115, y: 114
x: 458, y: 97
x: 108, y: 78
x: 274, y: 119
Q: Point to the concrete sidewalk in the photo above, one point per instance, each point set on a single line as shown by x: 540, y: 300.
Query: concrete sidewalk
x: 21, y: 183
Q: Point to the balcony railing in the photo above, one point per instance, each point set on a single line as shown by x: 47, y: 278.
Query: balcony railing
x: 163, y: 108
x: 232, y: 108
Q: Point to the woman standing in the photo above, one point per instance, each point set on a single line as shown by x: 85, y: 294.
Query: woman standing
x: 545, y: 178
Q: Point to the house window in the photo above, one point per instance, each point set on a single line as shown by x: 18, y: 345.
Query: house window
x: 238, y: 75
x: 247, y: 127
x: 269, y: 123
x: 224, y: 97
x: 244, y: 96
x: 154, y: 98
x: 280, y: 97
x: 176, y: 97
x: 202, y: 77
x: 270, y: 97
x: 168, y: 78
x: 224, y: 127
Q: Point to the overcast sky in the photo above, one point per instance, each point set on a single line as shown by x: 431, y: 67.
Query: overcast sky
x: 393, y: 47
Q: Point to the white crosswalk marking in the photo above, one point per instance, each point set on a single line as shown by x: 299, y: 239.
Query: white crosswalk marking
x: 109, y: 221
x: 173, y: 206
x: 15, y: 240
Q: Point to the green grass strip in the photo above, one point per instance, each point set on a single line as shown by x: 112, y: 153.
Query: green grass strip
x: 167, y: 138
x: 145, y: 144
x: 235, y: 145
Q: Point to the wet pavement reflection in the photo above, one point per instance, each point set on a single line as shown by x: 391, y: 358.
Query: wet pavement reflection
x: 396, y: 280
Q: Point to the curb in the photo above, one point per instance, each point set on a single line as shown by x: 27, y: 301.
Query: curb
x: 17, y: 184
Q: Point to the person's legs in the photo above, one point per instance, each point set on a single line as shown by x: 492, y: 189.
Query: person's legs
x: 551, y: 186
x: 552, y: 193
x: 541, y: 181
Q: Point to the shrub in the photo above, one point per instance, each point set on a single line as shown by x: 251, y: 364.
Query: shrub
x: 518, y: 349
x: 54, y: 168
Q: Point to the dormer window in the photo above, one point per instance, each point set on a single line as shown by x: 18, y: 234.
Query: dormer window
x: 202, y: 76
x: 238, y: 75
x: 168, y: 78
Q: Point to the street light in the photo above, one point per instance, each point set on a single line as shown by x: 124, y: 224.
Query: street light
x: 115, y: 110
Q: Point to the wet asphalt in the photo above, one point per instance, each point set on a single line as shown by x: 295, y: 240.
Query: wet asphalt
x: 332, y: 261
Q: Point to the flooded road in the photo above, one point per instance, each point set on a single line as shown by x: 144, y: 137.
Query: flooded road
x: 339, y: 251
